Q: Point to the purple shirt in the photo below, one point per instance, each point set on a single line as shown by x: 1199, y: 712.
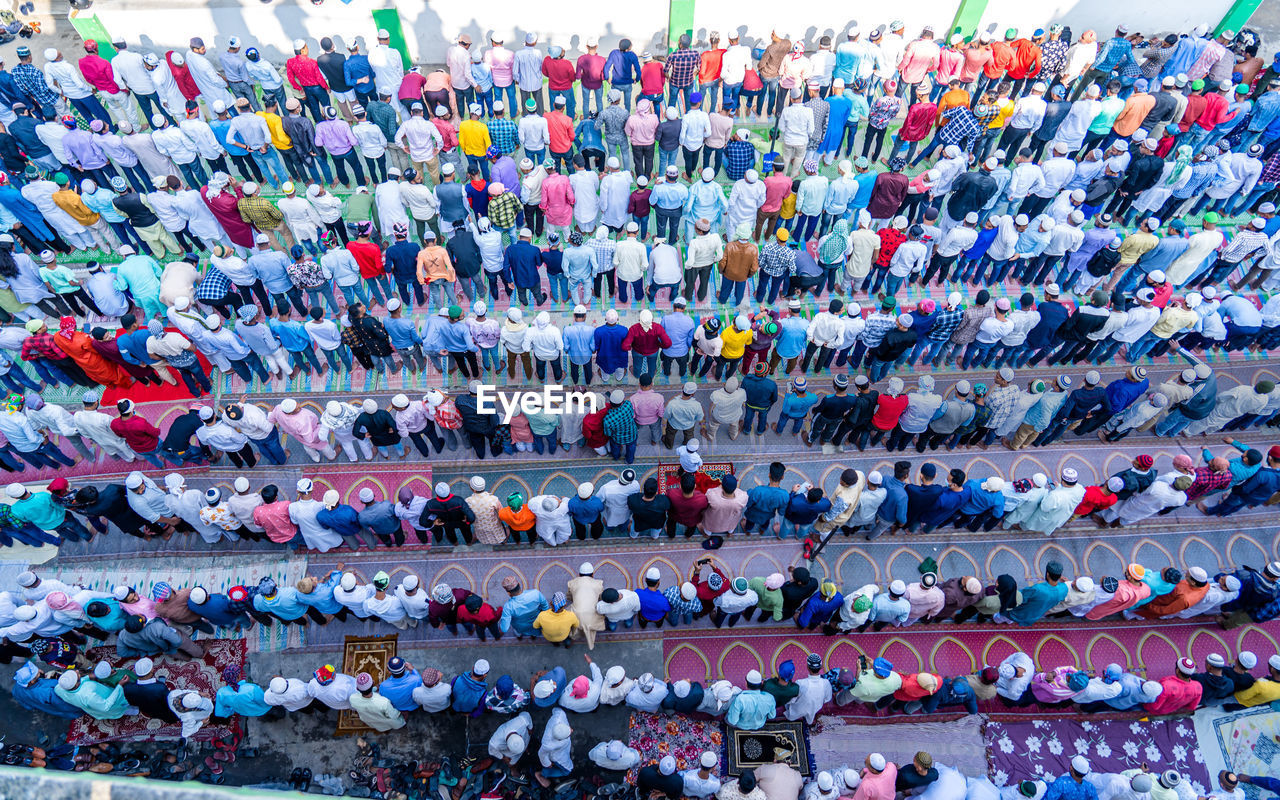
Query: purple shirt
x: 83, y: 151
x: 504, y: 172
x: 334, y: 135
x: 1094, y: 240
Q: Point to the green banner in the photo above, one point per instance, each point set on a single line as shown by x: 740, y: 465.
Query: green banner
x: 1237, y: 16
x: 90, y: 27
x: 968, y: 15
x: 389, y: 19
x: 679, y: 21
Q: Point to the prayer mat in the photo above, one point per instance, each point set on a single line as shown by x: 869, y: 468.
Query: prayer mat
x: 1245, y: 741
x: 364, y: 654
x: 685, y: 738
x: 1045, y: 749
x: 201, y: 674
x: 708, y: 475
x: 778, y: 741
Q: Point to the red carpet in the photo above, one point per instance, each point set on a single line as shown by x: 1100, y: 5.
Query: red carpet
x: 164, y: 393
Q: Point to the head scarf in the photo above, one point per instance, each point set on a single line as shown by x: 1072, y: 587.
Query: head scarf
x: 66, y: 326
x: 1181, y: 163
x: 343, y: 420
x: 1007, y: 589
x: 831, y: 249
x: 217, y: 183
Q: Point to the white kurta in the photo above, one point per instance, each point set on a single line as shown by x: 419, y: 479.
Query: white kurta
x: 388, y: 69
x: 815, y: 692
x: 386, y: 196
x: 553, y: 527
x: 211, y: 85
x: 615, y: 190
x: 336, y: 693
x: 553, y: 750
x: 192, y: 719
x: 433, y: 698
x: 521, y: 725
x: 745, y: 200
x: 1055, y: 509
x: 376, y: 711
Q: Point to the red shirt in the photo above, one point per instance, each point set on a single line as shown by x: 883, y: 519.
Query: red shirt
x: 1026, y: 60
x: 1215, y: 111
x: 651, y: 78
x: 1094, y: 500
x: 304, y: 71
x: 888, y: 409
x: 919, y: 122
x: 448, y: 133
x: 1195, y: 106
x: 560, y: 73
x: 1163, y: 292
x: 709, y: 69
x: 97, y: 71
x: 486, y: 615
x: 140, y: 435
x: 1001, y: 58
x: 369, y: 256
x: 687, y: 510
x: 590, y: 70
x: 975, y: 59
x: 890, y: 240
x: 560, y: 131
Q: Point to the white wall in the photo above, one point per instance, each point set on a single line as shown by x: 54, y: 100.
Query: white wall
x: 1165, y: 16
x: 431, y: 25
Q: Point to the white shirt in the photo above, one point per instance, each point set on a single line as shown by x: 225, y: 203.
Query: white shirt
x: 1057, y: 171
x: 957, y: 240
x: 201, y: 135
x: 317, y: 537
x: 533, y: 132
x: 734, y: 64
x: 63, y: 78
x: 521, y: 725
x: 175, y: 144
x: 795, y: 124
x: 591, y: 701
x: 1028, y: 112
x: 370, y: 139
x: 433, y: 698
x: 694, y: 128
x: 295, y: 697
x: 1026, y: 179
x: 131, y: 73
x: 354, y: 599
x: 419, y: 137
x: 335, y: 694
x: 697, y: 786
x: 1138, y: 320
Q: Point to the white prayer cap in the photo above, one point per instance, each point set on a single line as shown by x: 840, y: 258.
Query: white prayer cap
x: 876, y: 762
x: 1080, y: 765
x: 143, y: 666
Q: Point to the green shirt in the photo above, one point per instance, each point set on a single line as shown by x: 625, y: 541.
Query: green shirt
x: 542, y: 424
x: 39, y: 509
x: 59, y: 279
x: 782, y: 693
x: 770, y: 600
x: 359, y: 207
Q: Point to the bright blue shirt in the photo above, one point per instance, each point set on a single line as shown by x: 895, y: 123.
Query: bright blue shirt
x: 321, y: 597
x: 653, y: 604
x: 520, y: 611
x: 246, y: 699
x: 610, y: 356
x: 764, y: 503
x: 399, y: 690
x: 1066, y: 787
x: 792, y: 337
x: 1036, y: 602
x: 559, y: 678
x: 402, y: 332
x: 579, y: 342
x: 293, y: 337
x: 796, y: 406
x: 586, y: 511
x: 862, y: 197
x: 342, y: 519
x: 680, y: 327
x: 42, y: 696
x: 269, y: 266
x: 284, y: 604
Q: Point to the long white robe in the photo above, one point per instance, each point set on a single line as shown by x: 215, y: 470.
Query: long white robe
x: 1028, y: 503
x: 615, y: 190
x: 1055, y: 509
x: 388, y: 69
x: 745, y: 199
x: 1156, y: 498
x: 521, y: 725
x: 376, y: 711
x: 211, y: 85
x: 815, y: 692
x: 192, y: 719
x: 171, y: 97
x: 386, y: 196
x: 554, y: 750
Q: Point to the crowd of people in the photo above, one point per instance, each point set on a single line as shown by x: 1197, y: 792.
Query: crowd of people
x: 376, y: 216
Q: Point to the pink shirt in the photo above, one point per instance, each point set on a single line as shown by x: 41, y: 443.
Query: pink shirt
x: 302, y: 425
x: 1127, y: 595
x: 648, y: 406
x: 274, y: 519
x: 721, y: 130
x: 723, y: 512
x: 1179, y: 695
x: 924, y: 602
x: 145, y: 606
x: 920, y: 57
x: 776, y: 189
x: 500, y: 60
x: 877, y: 786
x: 557, y: 199
x: 97, y: 71
x: 950, y: 63
x: 642, y: 126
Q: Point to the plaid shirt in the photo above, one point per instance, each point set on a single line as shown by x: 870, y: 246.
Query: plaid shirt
x: 682, y: 67
x: 9, y: 520
x: 510, y: 704
x: 739, y: 157
x: 948, y: 319
x: 604, y: 253
x: 503, y: 134
x: 777, y: 260
x: 981, y: 419
x: 259, y: 212
x: 1114, y: 55
x: 41, y: 345
x: 214, y: 285
x: 877, y: 326
x: 960, y: 127
x: 504, y: 209
x: 1270, y: 170
x: 620, y: 423
x: 1244, y: 244
x: 447, y: 416
x: 984, y: 115
x: 30, y: 82
x: 1206, y: 481
x: 1001, y: 401
x: 678, y: 604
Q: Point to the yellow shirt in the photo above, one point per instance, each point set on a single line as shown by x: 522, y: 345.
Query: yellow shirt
x: 1261, y: 692
x: 733, y: 342
x: 1135, y: 244
x: 788, y: 208
x: 279, y: 139
x: 556, y: 626
x: 473, y: 138
x: 1006, y: 111
x: 1172, y: 320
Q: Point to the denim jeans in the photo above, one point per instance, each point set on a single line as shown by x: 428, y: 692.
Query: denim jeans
x: 271, y: 449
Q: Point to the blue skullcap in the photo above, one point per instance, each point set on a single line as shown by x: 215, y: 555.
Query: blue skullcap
x: 1078, y: 681
x: 505, y: 686
x: 882, y: 667
x: 787, y: 670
